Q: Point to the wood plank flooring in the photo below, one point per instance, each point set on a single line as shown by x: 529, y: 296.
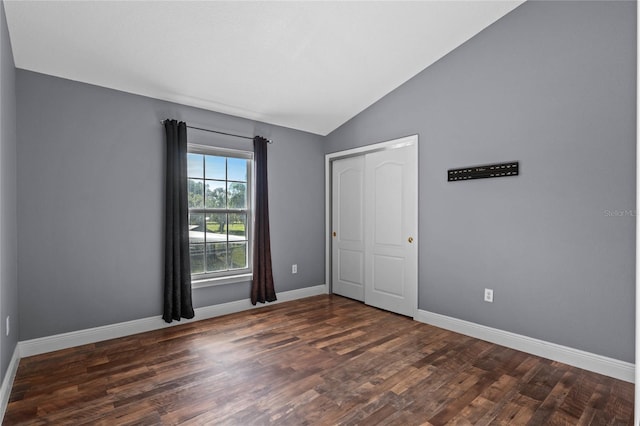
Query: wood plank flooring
x: 323, y: 360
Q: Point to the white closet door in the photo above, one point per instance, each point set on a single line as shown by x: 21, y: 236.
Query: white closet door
x: 374, y: 253
x: 391, y: 230
x: 348, y: 227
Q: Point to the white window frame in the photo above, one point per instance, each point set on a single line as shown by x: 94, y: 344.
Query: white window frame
x: 208, y: 279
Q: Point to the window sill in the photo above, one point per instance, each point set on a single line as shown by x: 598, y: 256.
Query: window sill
x: 230, y: 279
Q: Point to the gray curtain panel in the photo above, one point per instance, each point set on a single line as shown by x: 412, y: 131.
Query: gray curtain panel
x: 177, y: 268
x: 262, y: 288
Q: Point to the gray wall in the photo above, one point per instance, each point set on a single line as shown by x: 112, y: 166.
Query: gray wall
x: 552, y: 85
x: 8, y: 196
x: 90, y: 179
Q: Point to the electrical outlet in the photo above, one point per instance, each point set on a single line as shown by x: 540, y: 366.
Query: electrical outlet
x: 294, y: 268
x: 488, y: 295
x: 7, y: 325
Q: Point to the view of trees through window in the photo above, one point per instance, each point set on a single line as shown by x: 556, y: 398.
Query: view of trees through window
x: 218, y: 206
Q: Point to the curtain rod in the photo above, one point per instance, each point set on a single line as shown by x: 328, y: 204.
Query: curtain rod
x: 221, y: 133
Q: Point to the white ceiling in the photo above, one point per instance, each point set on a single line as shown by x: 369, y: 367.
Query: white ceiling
x: 301, y: 64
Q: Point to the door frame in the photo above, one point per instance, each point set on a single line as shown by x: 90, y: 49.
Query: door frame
x: 328, y: 173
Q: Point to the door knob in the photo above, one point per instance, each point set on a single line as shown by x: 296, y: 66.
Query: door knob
x: 410, y: 239
x: 334, y: 233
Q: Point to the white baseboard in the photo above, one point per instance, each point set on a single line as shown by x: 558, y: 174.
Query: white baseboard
x: 588, y: 361
x: 7, y: 383
x: 82, y: 337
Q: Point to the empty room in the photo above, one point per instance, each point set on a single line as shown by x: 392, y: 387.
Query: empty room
x: 318, y: 212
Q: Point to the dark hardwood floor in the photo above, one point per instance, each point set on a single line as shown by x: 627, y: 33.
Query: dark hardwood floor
x: 323, y: 360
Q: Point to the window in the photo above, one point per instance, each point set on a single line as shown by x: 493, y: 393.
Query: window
x: 219, y: 212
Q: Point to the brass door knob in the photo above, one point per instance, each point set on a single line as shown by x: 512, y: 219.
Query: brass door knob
x: 410, y: 239
x: 334, y: 234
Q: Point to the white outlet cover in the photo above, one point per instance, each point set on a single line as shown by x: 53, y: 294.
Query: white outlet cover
x: 488, y: 295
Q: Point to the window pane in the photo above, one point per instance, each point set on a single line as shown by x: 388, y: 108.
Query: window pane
x: 237, y: 195
x: 196, y: 193
x: 196, y: 228
x: 214, y: 167
x: 216, y: 227
x: 216, y: 195
x: 237, y: 227
x: 237, y: 169
x: 237, y: 255
x: 218, y: 242
x: 195, y: 165
x: 216, y: 257
x: 196, y: 253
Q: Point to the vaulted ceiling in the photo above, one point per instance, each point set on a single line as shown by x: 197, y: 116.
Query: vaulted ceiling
x: 306, y: 65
